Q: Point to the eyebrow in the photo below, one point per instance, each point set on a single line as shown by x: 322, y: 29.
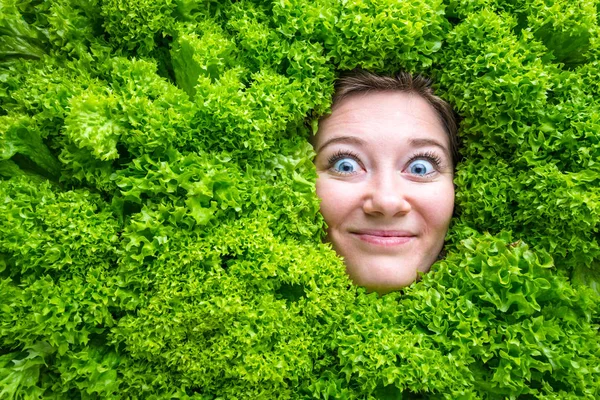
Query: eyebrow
x: 419, y: 142
x: 423, y: 142
x: 342, y: 139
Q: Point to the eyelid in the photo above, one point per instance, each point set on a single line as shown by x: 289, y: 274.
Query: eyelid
x: 341, y: 154
x: 432, y: 157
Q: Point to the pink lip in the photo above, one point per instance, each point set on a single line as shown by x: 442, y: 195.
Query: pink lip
x: 384, y: 238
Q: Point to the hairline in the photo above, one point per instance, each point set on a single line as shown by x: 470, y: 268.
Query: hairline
x: 364, y: 82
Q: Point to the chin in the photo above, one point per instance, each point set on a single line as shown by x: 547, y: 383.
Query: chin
x: 382, y: 279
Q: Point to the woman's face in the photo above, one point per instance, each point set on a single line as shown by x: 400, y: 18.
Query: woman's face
x: 386, y: 186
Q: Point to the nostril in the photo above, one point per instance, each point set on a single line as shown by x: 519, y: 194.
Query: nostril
x: 387, y: 204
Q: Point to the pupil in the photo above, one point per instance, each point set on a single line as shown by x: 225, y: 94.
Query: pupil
x: 346, y: 167
x: 419, y: 169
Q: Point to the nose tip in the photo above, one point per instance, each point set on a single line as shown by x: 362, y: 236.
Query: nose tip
x: 387, y: 198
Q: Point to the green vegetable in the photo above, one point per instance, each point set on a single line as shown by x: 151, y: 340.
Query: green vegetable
x: 160, y: 234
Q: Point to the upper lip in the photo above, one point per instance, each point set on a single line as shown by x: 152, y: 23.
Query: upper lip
x: 383, y: 233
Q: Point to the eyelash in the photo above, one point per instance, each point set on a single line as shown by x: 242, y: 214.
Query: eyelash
x: 341, y: 154
x: 430, y: 156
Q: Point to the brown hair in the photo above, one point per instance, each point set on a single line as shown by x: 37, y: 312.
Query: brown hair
x: 361, y: 81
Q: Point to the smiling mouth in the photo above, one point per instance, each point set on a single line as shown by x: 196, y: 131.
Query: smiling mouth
x: 384, y: 238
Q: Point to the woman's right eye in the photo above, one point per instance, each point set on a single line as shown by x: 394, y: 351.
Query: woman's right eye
x: 346, y: 166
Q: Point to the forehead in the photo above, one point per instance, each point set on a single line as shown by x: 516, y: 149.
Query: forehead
x: 382, y: 116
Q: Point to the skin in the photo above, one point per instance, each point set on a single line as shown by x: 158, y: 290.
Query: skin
x: 385, y: 180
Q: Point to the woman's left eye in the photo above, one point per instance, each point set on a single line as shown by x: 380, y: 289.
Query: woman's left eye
x: 420, y: 167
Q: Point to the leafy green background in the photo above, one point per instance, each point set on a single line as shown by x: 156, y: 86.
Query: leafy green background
x: 159, y: 229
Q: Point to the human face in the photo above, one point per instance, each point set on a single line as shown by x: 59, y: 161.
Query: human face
x: 385, y: 180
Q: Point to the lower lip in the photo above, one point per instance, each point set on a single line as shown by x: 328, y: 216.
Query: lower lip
x: 385, y: 240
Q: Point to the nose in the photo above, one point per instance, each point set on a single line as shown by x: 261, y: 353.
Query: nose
x: 387, y: 195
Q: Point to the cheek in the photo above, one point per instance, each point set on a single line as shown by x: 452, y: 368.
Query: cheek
x: 437, y: 206
x: 328, y: 198
x: 335, y: 200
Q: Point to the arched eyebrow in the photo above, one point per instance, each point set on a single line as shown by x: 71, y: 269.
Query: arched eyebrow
x: 424, y: 142
x: 342, y: 139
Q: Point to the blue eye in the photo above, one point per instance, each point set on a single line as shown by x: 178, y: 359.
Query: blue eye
x: 420, y: 167
x: 346, y: 166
